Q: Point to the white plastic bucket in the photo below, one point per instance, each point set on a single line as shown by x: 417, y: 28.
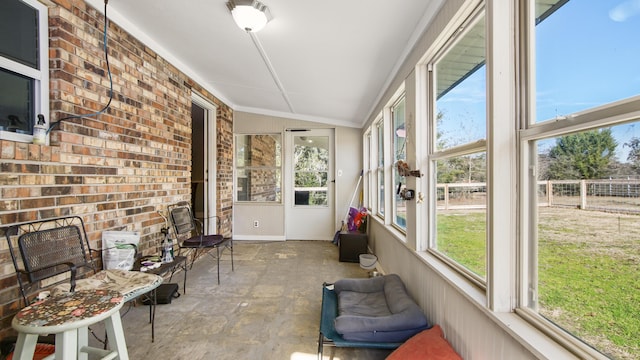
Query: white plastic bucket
x: 368, y: 261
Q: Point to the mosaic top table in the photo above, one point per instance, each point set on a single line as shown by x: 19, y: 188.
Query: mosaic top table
x: 68, y: 315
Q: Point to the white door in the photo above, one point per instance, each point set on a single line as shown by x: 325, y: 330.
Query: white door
x: 309, y: 185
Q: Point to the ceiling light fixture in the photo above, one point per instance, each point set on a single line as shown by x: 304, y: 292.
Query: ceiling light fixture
x: 249, y: 15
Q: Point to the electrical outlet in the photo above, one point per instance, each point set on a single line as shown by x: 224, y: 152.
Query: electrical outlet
x: 256, y: 223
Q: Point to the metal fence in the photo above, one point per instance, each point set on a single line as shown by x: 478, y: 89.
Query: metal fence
x: 603, y: 195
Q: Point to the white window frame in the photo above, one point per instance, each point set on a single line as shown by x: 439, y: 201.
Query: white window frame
x: 237, y: 169
x: 602, y: 116
x: 392, y: 158
x: 367, y: 174
x: 433, y: 155
x: 40, y: 75
x: 378, y: 127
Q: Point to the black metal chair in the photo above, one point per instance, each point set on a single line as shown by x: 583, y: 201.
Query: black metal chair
x: 55, y: 254
x: 48, y: 248
x: 189, y: 232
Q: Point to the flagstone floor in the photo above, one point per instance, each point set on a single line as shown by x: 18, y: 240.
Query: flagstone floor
x: 268, y: 308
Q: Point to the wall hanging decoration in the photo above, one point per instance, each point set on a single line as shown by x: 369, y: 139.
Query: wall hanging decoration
x: 404, y: 170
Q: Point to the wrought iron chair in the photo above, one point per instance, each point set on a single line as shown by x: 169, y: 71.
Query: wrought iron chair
x: 189, y: 232
x: 48, y: 248
x: 44, y: 251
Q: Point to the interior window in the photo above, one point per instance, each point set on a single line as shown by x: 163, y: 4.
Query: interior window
x: 258, y: 168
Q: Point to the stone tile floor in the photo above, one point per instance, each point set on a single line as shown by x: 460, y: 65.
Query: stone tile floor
x: 268, y: 308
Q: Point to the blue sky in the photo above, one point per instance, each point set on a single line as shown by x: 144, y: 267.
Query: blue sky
x: 582, y: 62
x: 588, y: 60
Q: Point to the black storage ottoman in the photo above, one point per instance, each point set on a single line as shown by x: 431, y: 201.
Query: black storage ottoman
x: 351, y: 245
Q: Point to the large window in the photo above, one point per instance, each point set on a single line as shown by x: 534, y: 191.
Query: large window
x: 399, y: 148
x: 368, y: 170
x: 379, y: 127
x: 258, y: 168
x: 582, y: 139
x: 458, y: 156
x: 23, y: 67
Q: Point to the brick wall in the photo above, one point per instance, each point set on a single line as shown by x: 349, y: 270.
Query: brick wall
x: 116, y: 170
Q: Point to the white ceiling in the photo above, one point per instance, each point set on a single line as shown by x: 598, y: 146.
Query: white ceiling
x: 332, y: 58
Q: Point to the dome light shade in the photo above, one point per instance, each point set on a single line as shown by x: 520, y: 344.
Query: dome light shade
x: 249, y: 15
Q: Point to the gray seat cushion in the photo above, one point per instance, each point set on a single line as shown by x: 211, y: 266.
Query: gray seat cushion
x: 377, y: 309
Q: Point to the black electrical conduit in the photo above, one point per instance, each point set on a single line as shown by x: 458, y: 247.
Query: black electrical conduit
x: 106, y: 57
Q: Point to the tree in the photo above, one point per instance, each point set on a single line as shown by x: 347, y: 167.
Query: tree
x: 310, y: 166
x: 634, y: 153
x: 460, y: 169
x: 584, y: 155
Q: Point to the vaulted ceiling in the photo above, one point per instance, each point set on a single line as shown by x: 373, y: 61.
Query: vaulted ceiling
x: 327, y: 61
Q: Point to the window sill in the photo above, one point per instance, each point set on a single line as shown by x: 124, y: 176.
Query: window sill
x: 11, y: 136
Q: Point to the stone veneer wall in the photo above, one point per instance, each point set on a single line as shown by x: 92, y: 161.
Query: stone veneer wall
x: 116, y: 170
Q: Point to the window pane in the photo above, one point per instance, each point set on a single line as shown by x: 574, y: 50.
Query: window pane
x: 461, y: 90
x: 19, y: 32
x: 258, y: 150
x: 380, y: 192
x: 309, y: 179
x: 461, y: 211
x: 311, y: 164
x: 399, y: 151
x: 399, y: 204
x: 586, y: 55
x: 258, y: 174
x: 380, y: 132
x: 588, y: 252
x: 258, y: 185
x: 310, y: 197
x: 380, y: 171
x: 366, y: 179
x: 16, y: 103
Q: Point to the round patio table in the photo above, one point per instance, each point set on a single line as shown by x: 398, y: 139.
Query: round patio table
x: 68, y: 316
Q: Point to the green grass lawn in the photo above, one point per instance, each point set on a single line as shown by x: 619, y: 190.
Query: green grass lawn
x: 589, y: 271
x: 461, y: 236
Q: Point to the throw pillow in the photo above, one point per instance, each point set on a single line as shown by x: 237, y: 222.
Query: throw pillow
x: 429, y: 344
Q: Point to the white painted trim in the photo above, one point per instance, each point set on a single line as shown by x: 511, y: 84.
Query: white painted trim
x: 501, y: 143
x: 609, y: 114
